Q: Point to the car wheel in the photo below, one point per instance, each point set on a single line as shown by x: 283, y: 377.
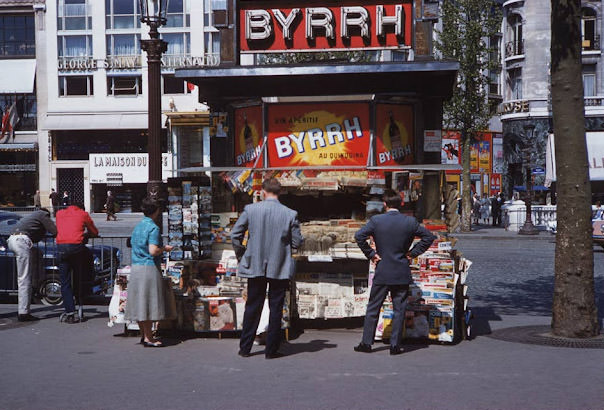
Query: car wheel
x: 49, y: 291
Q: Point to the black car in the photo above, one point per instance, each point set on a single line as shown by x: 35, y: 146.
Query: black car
x: 45, y: 279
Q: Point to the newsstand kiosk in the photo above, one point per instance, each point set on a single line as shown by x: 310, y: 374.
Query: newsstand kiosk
x: 336, y: 135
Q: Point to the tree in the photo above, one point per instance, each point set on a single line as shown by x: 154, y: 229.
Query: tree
x: 574, y: 312
x: 467, y: 26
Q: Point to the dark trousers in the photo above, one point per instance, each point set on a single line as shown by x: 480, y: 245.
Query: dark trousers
x: 376, y: 299
x: 74, y: 258
x: 497, y: 218
x: 256, y: 293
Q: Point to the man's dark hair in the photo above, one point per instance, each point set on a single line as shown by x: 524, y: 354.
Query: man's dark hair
x: 392, y: 199
x: 272, y: 186
x: 148, y: 206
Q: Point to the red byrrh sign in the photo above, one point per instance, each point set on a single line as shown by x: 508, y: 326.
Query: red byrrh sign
x: 273, y: 26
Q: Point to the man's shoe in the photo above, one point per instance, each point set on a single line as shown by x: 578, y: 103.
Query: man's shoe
x: 363, y: 348
x: 26, y: 317
x: 244, y: 354
x: 70, y: 318
x: 395, y: 350
x: 275, y: 355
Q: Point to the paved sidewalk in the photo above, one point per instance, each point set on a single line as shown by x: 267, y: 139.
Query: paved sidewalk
x: 48, y: 365
x: 492, y: 232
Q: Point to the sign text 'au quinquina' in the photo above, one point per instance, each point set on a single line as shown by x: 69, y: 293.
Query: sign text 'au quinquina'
x: 349, y: 25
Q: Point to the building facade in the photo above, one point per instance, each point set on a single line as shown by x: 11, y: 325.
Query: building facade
x: 526, y: 108
x: 92, y: 95
x: 20, y: 23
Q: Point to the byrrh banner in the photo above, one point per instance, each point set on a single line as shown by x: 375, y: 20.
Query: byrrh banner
x: 312, y: 134
x: 323, y: 25
x: 248, y: 136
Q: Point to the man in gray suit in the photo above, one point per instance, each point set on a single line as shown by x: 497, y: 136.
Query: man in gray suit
x: 393, y: 234
x: 273, y: 230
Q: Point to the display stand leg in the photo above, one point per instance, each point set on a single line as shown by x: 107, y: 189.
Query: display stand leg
x: 287, y: 334
x: 219, y: 336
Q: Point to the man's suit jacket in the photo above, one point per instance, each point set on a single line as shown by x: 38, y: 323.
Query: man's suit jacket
x: 273, y: 231
x: 393, y: 234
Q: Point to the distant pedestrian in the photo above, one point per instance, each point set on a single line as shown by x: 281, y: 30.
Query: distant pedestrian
x: 273, y: 231
x: 476, y: 208
x: 485, y: 209
x: 599, y: 214
x: 496, y: 210
x: 65, y: 200
x: 74, y: 227
x: 37, y: 202
x: 30, y: 230
x: 145, y: 289
x: 54, y: 201
x: 110, y: 206
x: 393, y: 234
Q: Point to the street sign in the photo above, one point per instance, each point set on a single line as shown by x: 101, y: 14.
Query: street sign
x: 538, y: 171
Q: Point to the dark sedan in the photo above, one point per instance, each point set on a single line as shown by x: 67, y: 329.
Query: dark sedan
x: 45, y: 279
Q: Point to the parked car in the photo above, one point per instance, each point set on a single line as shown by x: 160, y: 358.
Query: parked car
x: 45, y: 279
x: 597, y: 226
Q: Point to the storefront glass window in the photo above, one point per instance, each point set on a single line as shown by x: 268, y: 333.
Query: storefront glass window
x: 73, y: 15
x: 26, y: 109
x: 75, y: 85
x: 122, y: 14
x: 17, y: 36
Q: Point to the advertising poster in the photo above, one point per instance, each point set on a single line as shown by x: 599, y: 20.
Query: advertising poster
x: 495, y: 184
x: 297, y: 26
x: 497, y: 154
x: 394, y: 134
x: 311, y: 134
x: 480, y: 153
x: 248, y: 136
x: 432, y: 140
x: 450, y: 151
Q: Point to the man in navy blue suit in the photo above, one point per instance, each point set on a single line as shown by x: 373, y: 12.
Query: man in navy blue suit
x: 393, y: 234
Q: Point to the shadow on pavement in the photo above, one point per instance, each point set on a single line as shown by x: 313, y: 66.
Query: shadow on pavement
x: 290, y: 349
x: 481, y: 321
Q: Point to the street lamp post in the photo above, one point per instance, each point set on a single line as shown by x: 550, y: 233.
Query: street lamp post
x: 528, y: 228
x: 153, y: 13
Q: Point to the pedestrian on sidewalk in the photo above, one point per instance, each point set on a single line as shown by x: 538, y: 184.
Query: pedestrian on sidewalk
x: 54, y: 201
x: 496, y: 203
x: 65, y: 200
x: 485, y: 209
x: 273, y: 231
x: 30, y: 230
x: 146, y: 302
x: 393, y: 234
x: 110, y: 206
x: 37, y: 202
x: 599, y: 213
x: 74, y: 227
x: 476, y: 208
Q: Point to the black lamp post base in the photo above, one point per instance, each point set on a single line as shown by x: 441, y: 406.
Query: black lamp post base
x: 528, y: 229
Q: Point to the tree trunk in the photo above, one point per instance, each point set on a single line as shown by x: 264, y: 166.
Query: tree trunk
x: 574, y: 312
x: 466, y: 196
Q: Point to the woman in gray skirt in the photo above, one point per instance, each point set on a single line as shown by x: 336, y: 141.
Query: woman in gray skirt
x: 145, y: 292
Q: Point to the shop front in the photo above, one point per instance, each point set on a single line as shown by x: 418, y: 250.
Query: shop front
x: 18, y: 174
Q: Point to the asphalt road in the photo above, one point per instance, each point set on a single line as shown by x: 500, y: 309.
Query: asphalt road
x: 48, y: 365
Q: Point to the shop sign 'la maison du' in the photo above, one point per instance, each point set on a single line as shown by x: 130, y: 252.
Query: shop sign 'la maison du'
x: 366, y: 25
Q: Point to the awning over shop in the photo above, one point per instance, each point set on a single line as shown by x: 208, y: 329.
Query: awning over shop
x: 418, y: 167
x: 96, y: 121
x: 201, y: 118
x: 595, y: 157
x: 220, y: 85
x: 19, y: 147
x: 17, y: 76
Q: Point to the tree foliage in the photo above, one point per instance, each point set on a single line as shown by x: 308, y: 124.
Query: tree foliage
x: 467, y: 27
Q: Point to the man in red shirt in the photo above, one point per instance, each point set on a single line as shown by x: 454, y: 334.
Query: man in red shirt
x: 74, y: 226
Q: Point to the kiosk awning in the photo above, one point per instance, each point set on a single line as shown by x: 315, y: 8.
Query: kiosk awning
x: 417, y: 167
x: 17, y: 76
x: 220, y: 85
x: 595, y: 157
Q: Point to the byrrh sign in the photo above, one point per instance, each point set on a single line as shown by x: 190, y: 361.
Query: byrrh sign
x: 302, y: 26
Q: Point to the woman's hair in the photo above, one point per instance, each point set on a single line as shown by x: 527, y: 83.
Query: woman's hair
x: 148, y: 206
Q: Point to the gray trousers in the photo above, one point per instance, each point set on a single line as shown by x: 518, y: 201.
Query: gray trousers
x: 21, y: 245
x: 376, y: 299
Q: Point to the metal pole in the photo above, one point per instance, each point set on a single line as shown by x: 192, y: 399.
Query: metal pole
x: 155, y: 47
x: 528, y: 228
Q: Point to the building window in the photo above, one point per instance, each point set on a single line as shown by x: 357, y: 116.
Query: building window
x: 73, y: 15
x: 123, y: 44
x: 75, y: 46
x: 589, y: 81
x: 75, y: 85
x: 17, y: 36
x: 178, y: 43
x: 211, y: 42
x: 122, y: 14
x: 124, y: 85
x: 178, y: 14
x: 173, y: 85
x: 515, y: 42
x: 515, y: 80
x: 26, y: 109
x: 210, y: 6
x: 589, y: 37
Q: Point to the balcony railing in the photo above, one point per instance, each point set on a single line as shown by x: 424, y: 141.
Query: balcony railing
x: 514, y: 48
x: 594, y: 101
x: 591, y: 43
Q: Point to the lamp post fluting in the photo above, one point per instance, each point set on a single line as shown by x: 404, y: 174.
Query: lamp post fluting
x: 153, y: 13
